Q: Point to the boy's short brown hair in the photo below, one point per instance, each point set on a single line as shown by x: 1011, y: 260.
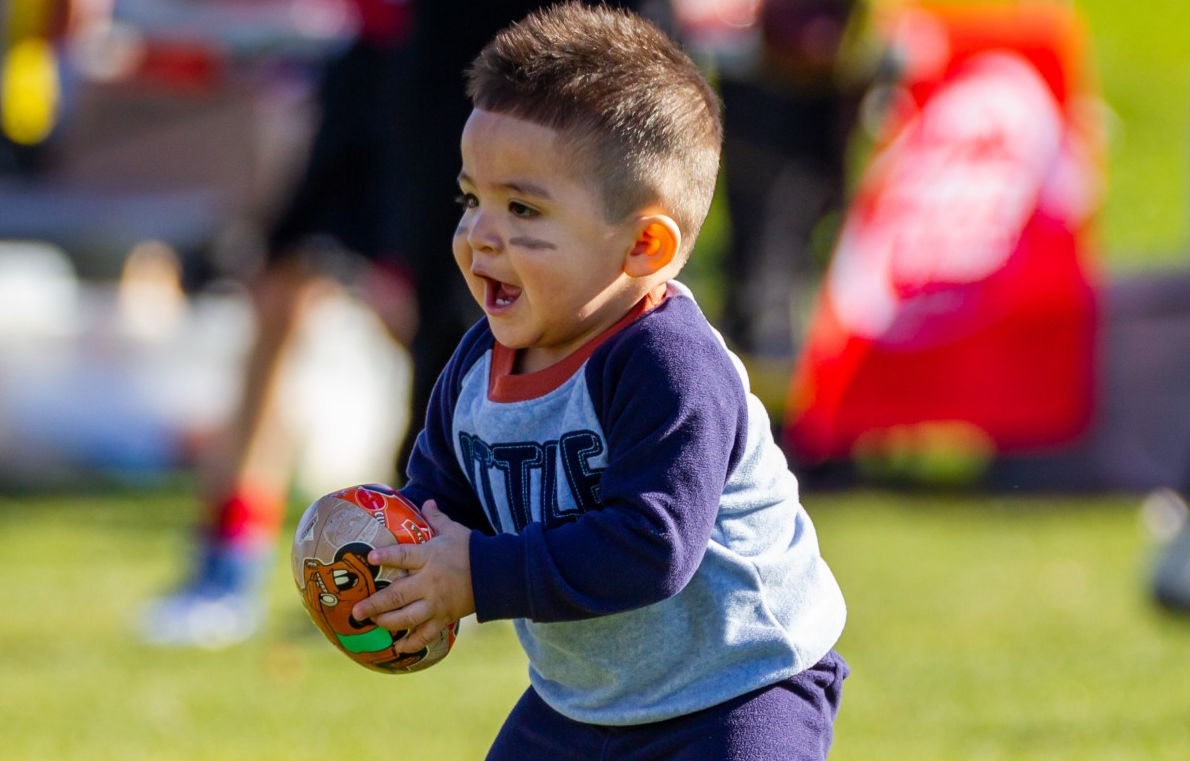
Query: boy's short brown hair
x: 638, y: 112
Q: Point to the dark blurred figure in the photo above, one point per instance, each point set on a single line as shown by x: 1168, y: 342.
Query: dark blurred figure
x: 343, y: 225
x: 788, y: 118
x: 449, y: 35
x: 376, y: 210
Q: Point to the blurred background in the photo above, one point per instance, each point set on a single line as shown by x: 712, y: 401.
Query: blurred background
x: 146, y: 145
x: 950, y: 245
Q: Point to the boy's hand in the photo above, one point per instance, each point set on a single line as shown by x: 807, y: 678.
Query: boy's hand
x: 436, y: 593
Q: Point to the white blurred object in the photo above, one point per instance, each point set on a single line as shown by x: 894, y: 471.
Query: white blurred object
x: 107, y: 51
x: 95, y: 396
x: 39, y: 291
x: 348, y: 396
x: 97, y: 378
x: 1164, y: 514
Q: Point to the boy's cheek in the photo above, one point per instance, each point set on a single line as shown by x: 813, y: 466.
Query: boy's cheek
x: 461, y: 251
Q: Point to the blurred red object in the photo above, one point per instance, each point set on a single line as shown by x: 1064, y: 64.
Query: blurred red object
x: 180, y: 65
x: 961, y: 292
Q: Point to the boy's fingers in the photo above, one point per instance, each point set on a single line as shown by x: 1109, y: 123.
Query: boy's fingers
x: 440, y: 521
x: 405, y: 556
x: 419, y: 637
x: 433, y: 515
x: 409, y: 619
x: 390, y: 599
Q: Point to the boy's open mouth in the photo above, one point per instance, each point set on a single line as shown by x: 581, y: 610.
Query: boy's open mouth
x: 499, y: 296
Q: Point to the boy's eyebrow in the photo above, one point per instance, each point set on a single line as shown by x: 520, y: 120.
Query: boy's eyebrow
x: 528, y: 189
x: 517, y: 186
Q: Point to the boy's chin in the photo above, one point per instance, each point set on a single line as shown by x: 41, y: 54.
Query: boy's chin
x: 507, y: 337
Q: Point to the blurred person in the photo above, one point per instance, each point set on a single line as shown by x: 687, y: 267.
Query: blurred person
x: 342, y: 226
x: 788, y: 118
x: 374, y: 209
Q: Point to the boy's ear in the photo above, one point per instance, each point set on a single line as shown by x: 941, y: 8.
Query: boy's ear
x: 657, y: 242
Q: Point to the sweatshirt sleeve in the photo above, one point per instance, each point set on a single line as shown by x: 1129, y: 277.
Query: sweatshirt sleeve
x: 673, y: 410
x: 434, y: 471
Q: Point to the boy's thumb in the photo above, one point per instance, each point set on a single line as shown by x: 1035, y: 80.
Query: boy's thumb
x: 431, y: 513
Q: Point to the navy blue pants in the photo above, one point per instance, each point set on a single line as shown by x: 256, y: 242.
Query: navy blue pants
x: 790, y: 720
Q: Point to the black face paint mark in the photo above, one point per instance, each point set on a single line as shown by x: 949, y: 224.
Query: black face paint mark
x: 533, y: 244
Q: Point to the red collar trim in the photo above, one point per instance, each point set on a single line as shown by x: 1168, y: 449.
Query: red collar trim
x: 504, y: 386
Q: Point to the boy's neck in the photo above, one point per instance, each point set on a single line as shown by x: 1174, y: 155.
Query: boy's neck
x: 527, y: 361
x: 512, y: 362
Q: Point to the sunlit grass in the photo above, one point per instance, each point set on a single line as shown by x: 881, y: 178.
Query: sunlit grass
x: 1143, y: 64
x: 980, y: 628
x: 76, y: 684
x: 1003, y: 628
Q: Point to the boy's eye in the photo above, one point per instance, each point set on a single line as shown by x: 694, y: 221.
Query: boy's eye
x: 519, y: 209
x: 467, y: 200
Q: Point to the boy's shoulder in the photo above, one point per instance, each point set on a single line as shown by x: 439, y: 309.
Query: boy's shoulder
x: 673, y: 343
x: 675, y: 325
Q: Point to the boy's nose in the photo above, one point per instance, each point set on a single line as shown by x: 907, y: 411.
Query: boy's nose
x: 482, y: 234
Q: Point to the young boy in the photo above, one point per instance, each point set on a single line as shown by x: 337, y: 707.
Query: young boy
x: 592, y: 460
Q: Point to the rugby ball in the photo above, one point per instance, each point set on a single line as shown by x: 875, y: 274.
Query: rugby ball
x: 332, y: 573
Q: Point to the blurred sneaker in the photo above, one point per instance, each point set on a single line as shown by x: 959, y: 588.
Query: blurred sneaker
x: 219, y: 608
x: 197, y: 618
x: 1166, y: 512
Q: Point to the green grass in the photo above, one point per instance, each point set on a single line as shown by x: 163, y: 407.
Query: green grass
x: 994, y: 628
x: 76, y: 684
x: 1143, y: 64
x: 980, y: 628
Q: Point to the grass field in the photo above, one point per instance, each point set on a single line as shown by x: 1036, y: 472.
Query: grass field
x: 981, y: 627
x: 1143, y: 64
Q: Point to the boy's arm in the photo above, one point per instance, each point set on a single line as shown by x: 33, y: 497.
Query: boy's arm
x: 437, y: 589
x: 674, y: 415
x: 433, y: 472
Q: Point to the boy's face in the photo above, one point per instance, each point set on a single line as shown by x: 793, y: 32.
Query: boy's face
x: 533, y: 243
